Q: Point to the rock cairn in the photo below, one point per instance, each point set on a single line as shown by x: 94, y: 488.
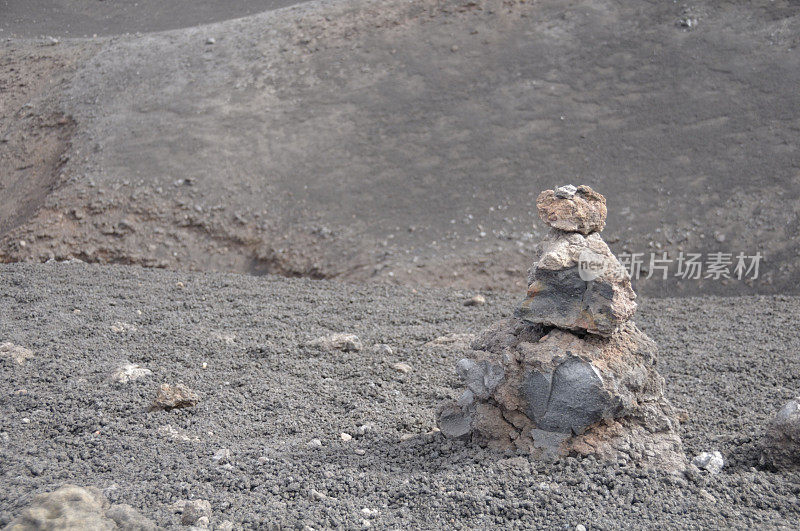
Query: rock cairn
x: 570, y: 373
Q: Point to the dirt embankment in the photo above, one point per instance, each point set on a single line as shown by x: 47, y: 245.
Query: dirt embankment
x: 407, y: 143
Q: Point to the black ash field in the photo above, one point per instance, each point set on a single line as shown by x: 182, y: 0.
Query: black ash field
x: 729, y: 362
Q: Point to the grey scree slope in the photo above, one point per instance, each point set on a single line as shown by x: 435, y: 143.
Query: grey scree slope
x: 730, y: 362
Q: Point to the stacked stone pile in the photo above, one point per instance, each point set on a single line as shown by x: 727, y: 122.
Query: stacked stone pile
x: 570, y: 373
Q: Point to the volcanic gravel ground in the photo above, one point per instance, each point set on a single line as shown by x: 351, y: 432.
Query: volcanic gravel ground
x: 730, y: 362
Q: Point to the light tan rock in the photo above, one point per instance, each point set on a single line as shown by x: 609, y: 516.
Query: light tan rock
x: 174, y: 396
x: 338, y: 341
x: 77, y: 508
x: 15, y: 352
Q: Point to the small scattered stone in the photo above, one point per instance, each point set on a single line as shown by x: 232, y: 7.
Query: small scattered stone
x: 346, y: 437
x: 710, y: 461
x: 314, y: 443
x: 129, y: 372
x: 15, y: 352
x: 193, y: 511
x: 565, y: 192
x: 177, y: 434
x: 365, y: 428
x: 383, y: 350
x: 780, y: 448
x: 317, y: 495
x: 120, y: 328
x: 211, y: 40
x: 174, y: 396
x: 339, y: 341
x: 221, y: 456
x: 404, y: 368
x: 477, y: 300
x: 360, y: 451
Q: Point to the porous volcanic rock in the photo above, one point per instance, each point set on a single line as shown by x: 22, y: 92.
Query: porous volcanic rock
x: 780, y: 447
x: 72, y: 507
x: 173, y: 397
x: 570, y: 373
x: 578, y: 284
x: 15, y: 352
x: 573, y: 209
x: 338, y: 341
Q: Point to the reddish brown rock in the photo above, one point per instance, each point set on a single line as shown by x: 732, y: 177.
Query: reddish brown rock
x: 573, y: 209
x: 174, y: 396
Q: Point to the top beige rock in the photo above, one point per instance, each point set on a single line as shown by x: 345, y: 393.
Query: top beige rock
x: 573, y: 209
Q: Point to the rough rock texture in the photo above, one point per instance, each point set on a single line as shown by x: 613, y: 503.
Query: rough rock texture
x: 129, y: 372
x: 15, y: 352
x: 194, y: 512
x: 339, y: 341
x: 781, y: 444
x: 174, y: 396
x: 710, y: 461
x: 266, y: 398
x: 569, y: 374
x: 543, y: 391
x: 78, y: 508
x: 573, y: 209
x: 578, y: 284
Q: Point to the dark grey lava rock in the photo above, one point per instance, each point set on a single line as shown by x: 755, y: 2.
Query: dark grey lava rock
x: 780, y: 447
x: 576, y: 283
x: 570, y: 399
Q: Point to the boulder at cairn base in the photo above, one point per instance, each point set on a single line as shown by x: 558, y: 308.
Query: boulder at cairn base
x: 539, y: 384
x: 573, y: 209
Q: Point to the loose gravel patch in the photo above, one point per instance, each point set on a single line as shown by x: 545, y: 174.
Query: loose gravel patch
x: 280, y: 407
